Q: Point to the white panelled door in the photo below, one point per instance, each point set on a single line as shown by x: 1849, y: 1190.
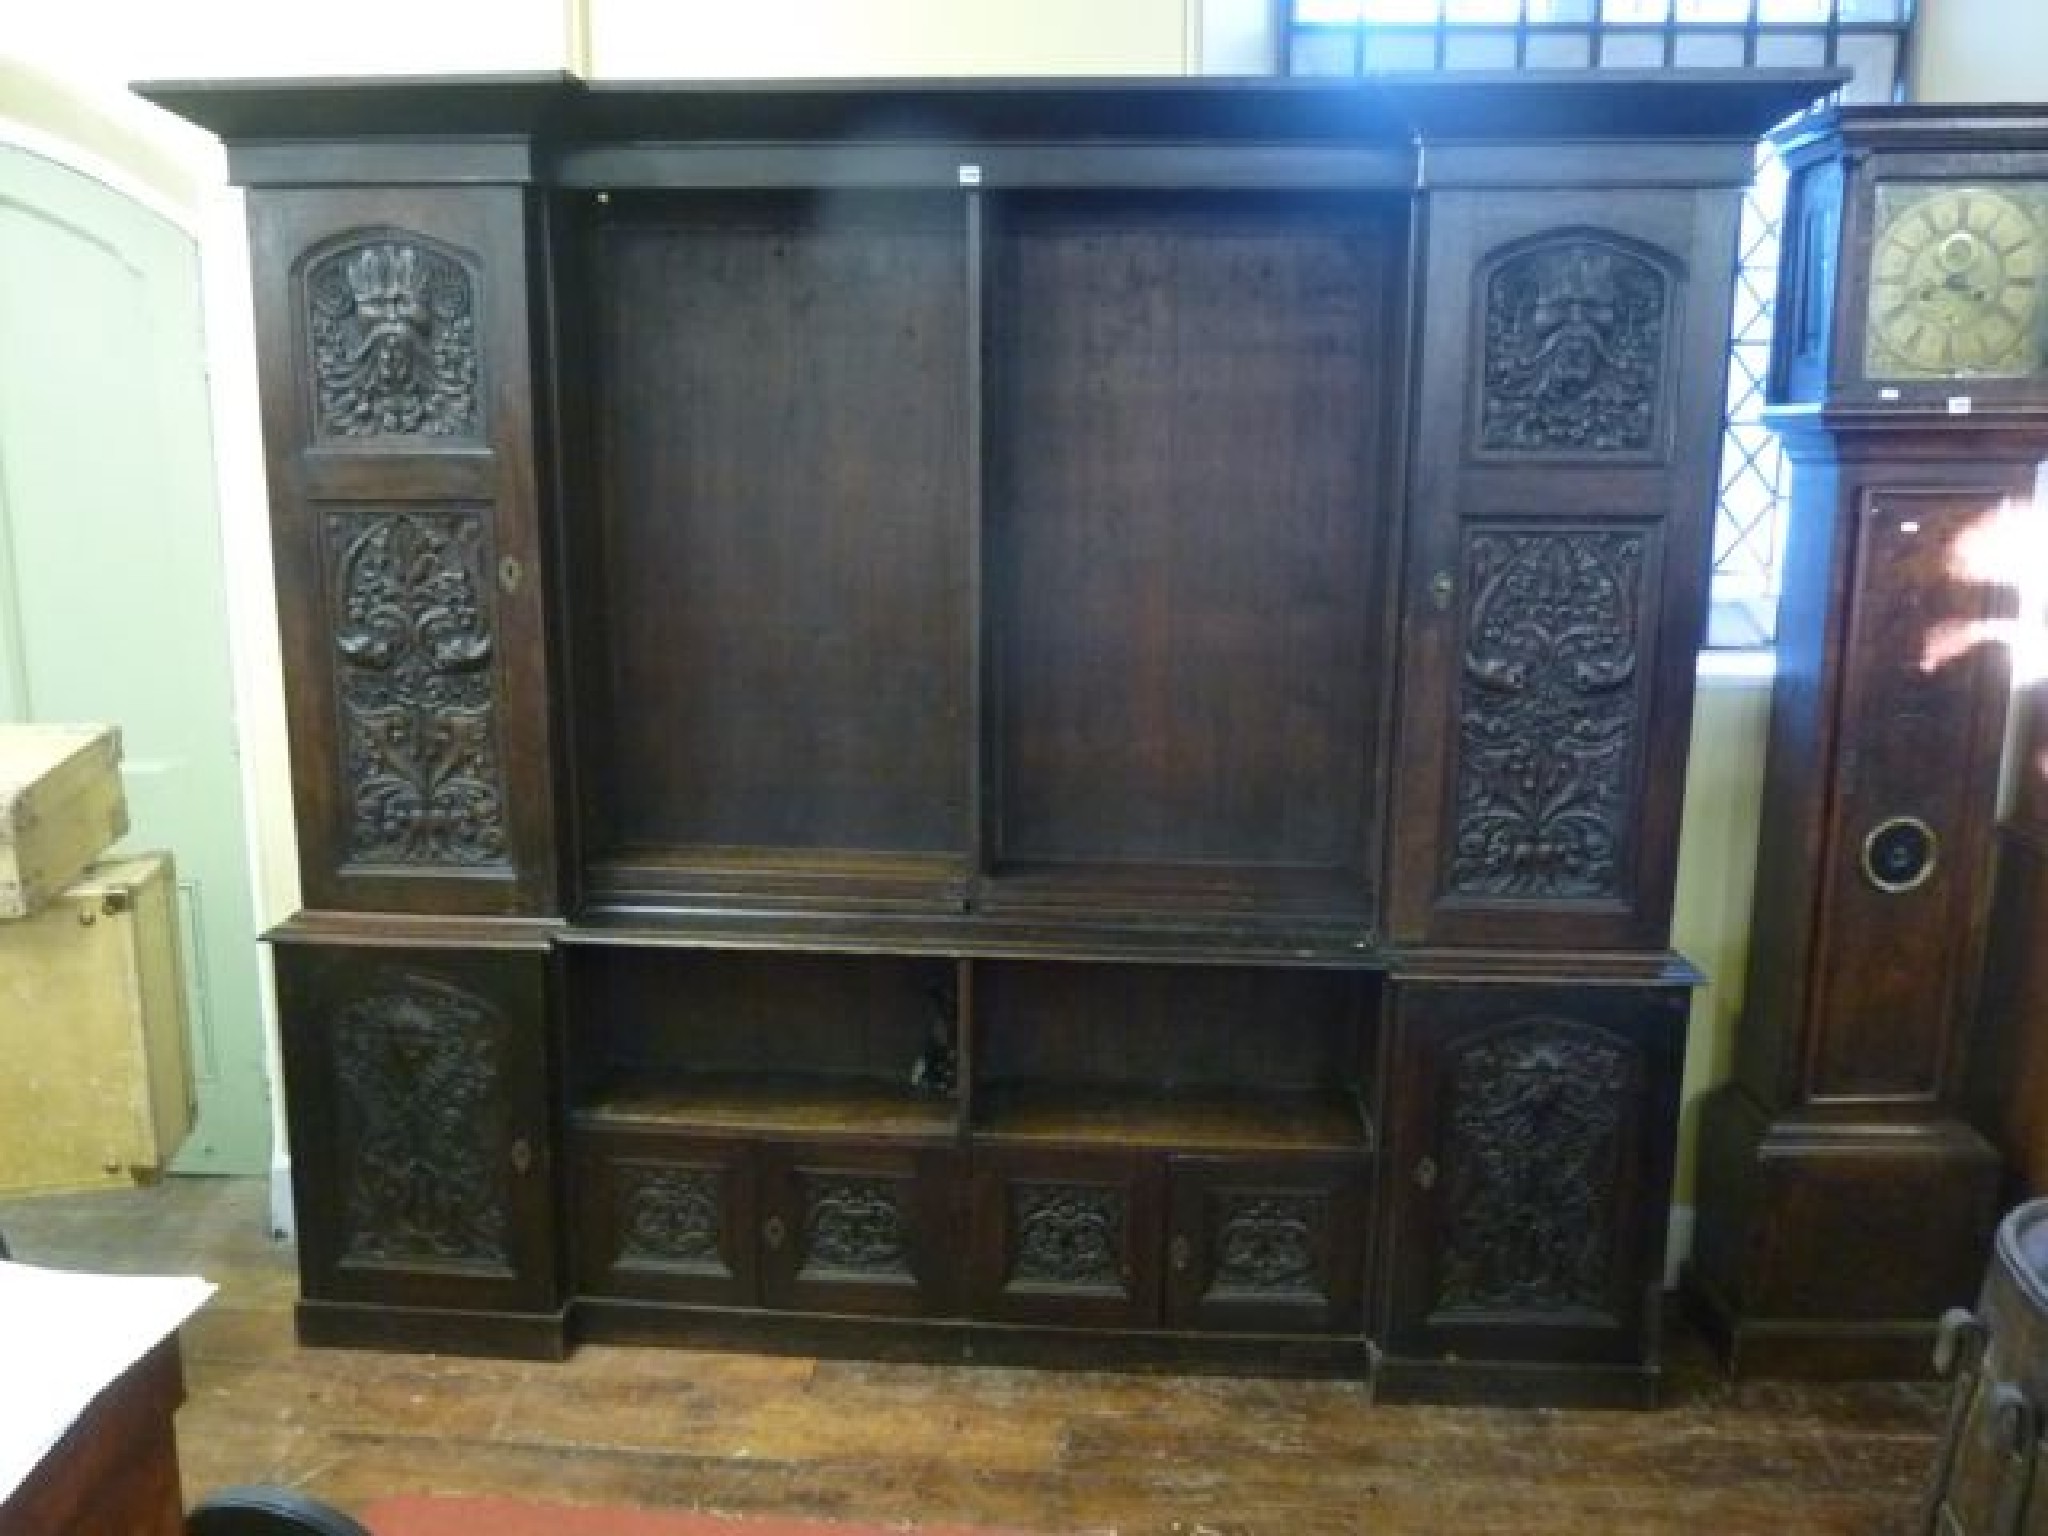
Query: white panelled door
x: 112, y: 602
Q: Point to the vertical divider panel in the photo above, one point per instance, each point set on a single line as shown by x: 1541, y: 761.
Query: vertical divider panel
x: 980, y: 761
x: 966, y: 1023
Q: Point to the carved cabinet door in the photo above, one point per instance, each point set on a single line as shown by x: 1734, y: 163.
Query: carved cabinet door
x: 1559, y: 511
x: 1529, y: 1154
x: 421, y: 1149
x: 1066, y: 1237
x: 398, y: 380
x: 663, y: 1217
x: 1269, y: 1245
x: 861, y: 1229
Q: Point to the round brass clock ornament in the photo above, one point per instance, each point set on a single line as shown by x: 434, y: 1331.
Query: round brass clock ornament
x: 1955, y: 283
x: 1899, y: 854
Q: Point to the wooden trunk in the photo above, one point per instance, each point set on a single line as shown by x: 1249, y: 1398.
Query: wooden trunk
x: 61, y: 807
x: 98, y: 1088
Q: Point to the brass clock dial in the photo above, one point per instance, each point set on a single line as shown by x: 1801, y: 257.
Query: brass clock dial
x: 1956, y: 273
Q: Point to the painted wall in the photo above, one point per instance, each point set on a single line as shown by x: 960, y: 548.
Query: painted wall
x: 116, y: 41
x: 1716, y: 871
x: 880, y: 39
x: 1981, y: 50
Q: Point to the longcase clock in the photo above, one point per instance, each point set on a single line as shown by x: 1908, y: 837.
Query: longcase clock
x: 1845, y: 1200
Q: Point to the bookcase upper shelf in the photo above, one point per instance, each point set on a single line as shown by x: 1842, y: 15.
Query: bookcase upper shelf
x: 589, y: 133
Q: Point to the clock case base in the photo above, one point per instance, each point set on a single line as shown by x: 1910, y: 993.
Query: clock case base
x: 1828, y: 1249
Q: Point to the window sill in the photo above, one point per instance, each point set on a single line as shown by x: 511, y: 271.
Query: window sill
x: 1731, y: 667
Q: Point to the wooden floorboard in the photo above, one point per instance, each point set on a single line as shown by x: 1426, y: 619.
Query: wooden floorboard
x: 1056, y: 1452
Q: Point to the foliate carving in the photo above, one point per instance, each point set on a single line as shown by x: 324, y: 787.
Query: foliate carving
x: 1068, y: 1235
x: 1532, y: 1169
x: 1575, y: 347
x: 415, y: 687
x: 854, y: 1227
x: 1267, y: 1244
x: 419, y: 1064
x: 1547, y: 715
x: 669, y: 1216
x: 392, y: 324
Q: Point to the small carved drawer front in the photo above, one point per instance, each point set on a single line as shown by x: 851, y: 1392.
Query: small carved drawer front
x: 1066, y: 1237
x: 665, y: 1217
x: 861, y: 1229
x: 1989, y: 1476
x: 1265, y: 1245
x: 420, y: 1152
x: 1528, y: 1169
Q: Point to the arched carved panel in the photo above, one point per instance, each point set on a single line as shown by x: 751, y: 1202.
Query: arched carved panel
x: 419, y: 1066
x: 1576, y: 334
x: 410, y: 599
x: 1548, y: 715
x: 391, y: 332
x: 1534, y: 1134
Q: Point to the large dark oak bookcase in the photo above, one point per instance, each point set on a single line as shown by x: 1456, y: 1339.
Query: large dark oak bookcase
x: 1042, y: 720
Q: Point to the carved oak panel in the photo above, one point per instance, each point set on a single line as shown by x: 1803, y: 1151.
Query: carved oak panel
x: 1531, y: 1168
x: 664, y: 1216
x: 1068, y: 1235
x: 1576, y: 332
x: 421, y: 1139
x: 669, y: 1215
x: 410, y: 599
x: 391, y: 328
x: 418, y: 1065
x: 1548, y: 716
x: 862, y: 1228
x: 1530, y: 1133
x: 855, y: 1226
x: 1268, y: 1243
x: 1264, y: 1243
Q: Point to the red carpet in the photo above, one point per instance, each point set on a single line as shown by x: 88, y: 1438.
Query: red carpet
x: 413, y: 1515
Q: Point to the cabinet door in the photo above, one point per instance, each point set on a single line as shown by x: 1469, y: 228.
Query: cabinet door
x: 1568, y: 406
x: 1066, y: 1237
x: 421, y: 1155
x: 1265, y: 1245
x: 861, y: 1229
x: 398, y: 375
x: 1903, y: 855
x: 1529, y: 1168
x: 665, y: 1217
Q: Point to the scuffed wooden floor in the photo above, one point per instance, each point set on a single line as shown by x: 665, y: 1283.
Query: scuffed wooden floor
x: 1050, y: 1452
